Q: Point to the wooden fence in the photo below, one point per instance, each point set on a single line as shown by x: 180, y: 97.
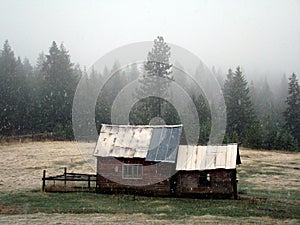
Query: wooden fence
x: 69, y: 177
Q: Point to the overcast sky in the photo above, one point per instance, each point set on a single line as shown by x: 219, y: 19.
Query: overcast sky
x: 260, y: 35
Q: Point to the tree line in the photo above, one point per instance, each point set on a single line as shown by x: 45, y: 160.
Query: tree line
x: 259, y: 120
x: 38, y: 99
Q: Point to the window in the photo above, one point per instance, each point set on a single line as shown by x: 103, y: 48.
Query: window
x: 132, y: 171
x: 204, y: 179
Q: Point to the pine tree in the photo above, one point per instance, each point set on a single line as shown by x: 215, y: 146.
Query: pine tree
x: 265, y: 102
x: 158, y: 64
x: 133, y: 72
x: 15, y: 102
x: 292, y: 112
x: 8, y: 86
x: 108, y: 93
x: 156, y: 67
x: 23, y: 105
x: 239, y: 106
x: 36, y: 83
x: 230, y: 104
x: 253, y: 94
x: 281, y: 95
x: 204, y: 118
x: 58, y: 90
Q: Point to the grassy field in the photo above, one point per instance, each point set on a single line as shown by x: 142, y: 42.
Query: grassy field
x: 268, y: 187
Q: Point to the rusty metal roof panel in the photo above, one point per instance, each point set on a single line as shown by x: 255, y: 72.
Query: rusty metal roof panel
x: 210, y: 159
x: 182, y: 158
x: 201, y: 157
x: 231, y: 157
x: 187, y: 157
x: 160, y: 142
x: 123, y: 141
x: 206, y: 157
x: 221, y: 156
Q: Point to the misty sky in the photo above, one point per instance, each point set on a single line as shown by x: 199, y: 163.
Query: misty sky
x: 263, y: 36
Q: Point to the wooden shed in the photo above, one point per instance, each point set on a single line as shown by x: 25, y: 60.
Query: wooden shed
x: 149, y: 160
x: 207, y: 170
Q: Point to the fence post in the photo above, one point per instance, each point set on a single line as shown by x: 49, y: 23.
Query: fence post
x: 44, y: 181
x: 65, y: 178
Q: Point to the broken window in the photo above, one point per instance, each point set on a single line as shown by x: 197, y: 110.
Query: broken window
x: 204, y: 179
x: 132, y: 171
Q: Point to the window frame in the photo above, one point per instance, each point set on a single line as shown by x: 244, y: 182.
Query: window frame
x: 132, y: 171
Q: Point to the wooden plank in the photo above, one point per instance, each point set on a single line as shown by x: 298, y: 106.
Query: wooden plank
x: 44, y: 181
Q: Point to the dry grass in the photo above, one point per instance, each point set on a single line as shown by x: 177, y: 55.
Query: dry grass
x: 42, y: 218
x: 270, y: 170
x: 21, y: 166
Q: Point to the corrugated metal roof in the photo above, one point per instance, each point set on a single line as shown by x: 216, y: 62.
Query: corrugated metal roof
x: 160, y: 144
x: 155, y: 143
x: 164, y: 144
x: 207, y: 157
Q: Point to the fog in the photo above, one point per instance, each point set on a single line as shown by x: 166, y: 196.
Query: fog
x: 260, y: 36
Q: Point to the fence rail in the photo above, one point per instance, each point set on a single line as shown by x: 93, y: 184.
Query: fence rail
x: 65, y: 177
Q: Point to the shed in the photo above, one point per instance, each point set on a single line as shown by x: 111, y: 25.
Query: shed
x: 151, y: 160
x: 207, y: 170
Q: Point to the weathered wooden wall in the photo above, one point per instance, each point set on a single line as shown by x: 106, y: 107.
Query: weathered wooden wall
x: 181, y: 184
x: 155, y: 176
x: 222, y: 182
